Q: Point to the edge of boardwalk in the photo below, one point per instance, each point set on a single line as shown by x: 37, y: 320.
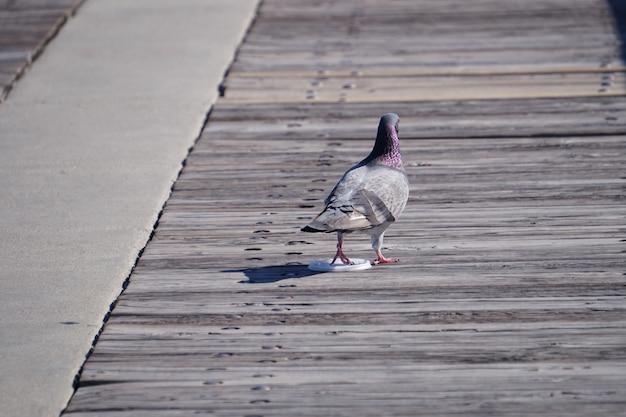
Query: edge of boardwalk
x: 92, y: 138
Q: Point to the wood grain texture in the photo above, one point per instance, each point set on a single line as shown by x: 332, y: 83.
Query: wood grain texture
x: 510, y: 297
x: 26, y: 26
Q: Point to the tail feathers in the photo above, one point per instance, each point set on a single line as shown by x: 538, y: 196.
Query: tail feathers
x: 317, y: 227
x: 338, y: 217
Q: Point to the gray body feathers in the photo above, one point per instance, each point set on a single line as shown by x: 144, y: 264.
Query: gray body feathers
x: 366, y: 197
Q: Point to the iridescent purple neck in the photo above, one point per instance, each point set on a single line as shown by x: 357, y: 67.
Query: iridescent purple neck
x: 387, y: 146
x: 392, y: 158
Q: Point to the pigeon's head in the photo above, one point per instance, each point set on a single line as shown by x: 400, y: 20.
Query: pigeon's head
x: 389, y: 124
x: 387, y: 147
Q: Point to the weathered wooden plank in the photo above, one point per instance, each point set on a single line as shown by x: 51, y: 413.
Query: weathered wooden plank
x: 303, y: 112
x: 423, y: 88
x: 561, y: 117
x: 362, y: 35
x: 268, y: 375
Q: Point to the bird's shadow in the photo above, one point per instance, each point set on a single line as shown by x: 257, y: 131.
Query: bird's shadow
x: 274, y: 273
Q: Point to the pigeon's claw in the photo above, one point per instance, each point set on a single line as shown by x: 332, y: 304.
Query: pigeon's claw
x: 382, y: 260
x: 342, y: 257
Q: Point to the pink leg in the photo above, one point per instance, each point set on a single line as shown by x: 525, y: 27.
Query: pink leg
x: 382, y: 260
x: 344, y: 259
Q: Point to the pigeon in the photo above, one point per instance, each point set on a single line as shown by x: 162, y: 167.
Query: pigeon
x: 369, y: 196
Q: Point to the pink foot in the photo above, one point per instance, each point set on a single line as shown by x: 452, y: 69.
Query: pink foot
x: 382, y: 260
x: 342, y: 257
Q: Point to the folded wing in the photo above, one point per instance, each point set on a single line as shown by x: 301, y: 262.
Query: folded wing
x: 365, y: 197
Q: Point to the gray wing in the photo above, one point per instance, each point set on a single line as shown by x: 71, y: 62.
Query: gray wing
x: 365, y: 197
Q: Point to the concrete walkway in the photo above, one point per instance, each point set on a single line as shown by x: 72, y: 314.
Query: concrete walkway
x: 91, y: 140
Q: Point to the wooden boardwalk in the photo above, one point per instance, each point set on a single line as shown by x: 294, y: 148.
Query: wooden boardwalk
x: 510, y: 297
x: 26, y: 26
